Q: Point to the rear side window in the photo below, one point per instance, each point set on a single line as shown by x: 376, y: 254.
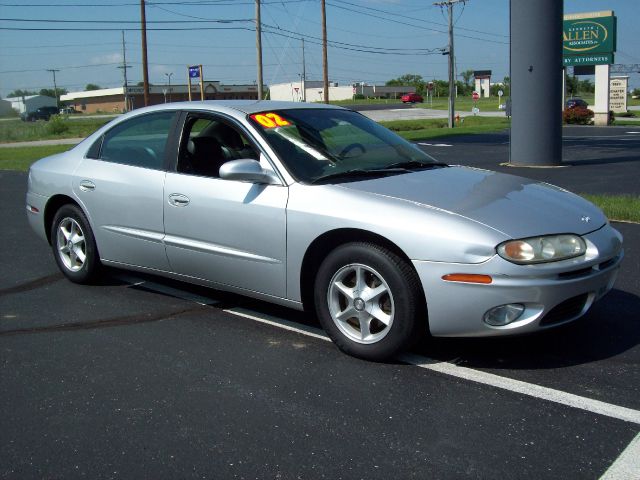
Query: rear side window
x: 140, y: 142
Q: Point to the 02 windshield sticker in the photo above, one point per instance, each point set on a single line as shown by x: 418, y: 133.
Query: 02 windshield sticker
x: 270, y: 120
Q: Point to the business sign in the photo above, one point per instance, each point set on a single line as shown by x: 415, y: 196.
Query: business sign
x: 601, y: 59
x: 194, y: 71
x: 618, y: 94
x: 589, y: 33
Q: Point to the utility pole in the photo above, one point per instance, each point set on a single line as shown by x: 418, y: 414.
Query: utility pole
x: 124, y: 67
x: 452, y: 60
x: 259, y: 48
x: 304, y: 76
x: 169, y: 77
x: 145, y: 65
x: 325, y: 70
x: 55, y: 87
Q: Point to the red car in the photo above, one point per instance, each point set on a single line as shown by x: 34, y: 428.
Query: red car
x: 411, y: 98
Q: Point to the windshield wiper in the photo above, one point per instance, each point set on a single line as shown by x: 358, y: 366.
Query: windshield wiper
x: 414, y: 165
x: 358, y: 172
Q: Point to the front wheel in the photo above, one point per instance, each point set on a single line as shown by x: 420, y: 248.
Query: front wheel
x: 74, y: 246
x: 368, y: 301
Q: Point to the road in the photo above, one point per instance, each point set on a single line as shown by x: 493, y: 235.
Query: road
x: 145, y: 378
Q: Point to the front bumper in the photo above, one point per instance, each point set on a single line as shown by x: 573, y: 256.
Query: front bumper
x: 552, y: 293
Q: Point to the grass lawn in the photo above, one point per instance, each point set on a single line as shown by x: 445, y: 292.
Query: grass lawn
x: 19, y: 158
x: 19, y: 131
x: 437, y: 127
x: 617, y: 207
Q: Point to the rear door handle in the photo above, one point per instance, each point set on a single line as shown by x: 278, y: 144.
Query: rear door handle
x: 178, y: 200
x: 87, y: 185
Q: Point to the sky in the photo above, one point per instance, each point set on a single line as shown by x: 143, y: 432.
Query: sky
x: 370, y: 41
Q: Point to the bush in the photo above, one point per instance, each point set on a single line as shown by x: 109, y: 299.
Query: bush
x: 358, y: 96
x: 57, y: 125
x: 577, y: 116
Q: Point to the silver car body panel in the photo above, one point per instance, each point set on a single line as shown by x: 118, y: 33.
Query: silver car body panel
x: 230, y: 232
x: 252, y: 238
x: 125, y: 209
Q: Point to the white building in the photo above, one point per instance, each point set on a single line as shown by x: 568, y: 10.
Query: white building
x: 5, y: 107
x: 31, y: 103
x: 313, y: 91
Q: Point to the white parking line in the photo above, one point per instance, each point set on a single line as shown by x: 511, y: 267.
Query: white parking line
x: 627, y: 466
x: 517, y: 386
x: 529, y: 389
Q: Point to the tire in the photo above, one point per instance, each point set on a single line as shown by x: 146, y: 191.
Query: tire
x: 74, y: 246
x: 369, y: 301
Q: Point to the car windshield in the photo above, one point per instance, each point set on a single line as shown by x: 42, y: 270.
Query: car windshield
x: 317, y: 144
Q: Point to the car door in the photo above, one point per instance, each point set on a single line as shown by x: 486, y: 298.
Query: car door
x: 229, y: 232
x: 121, y: 184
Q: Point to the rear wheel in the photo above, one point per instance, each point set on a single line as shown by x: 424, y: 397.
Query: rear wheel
x: 368, y: 301
x: 74, y: 246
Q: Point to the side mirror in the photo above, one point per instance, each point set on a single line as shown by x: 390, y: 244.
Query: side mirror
x: 247, y: 170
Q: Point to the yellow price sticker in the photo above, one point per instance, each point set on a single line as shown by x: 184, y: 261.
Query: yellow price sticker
x: 270, y: 120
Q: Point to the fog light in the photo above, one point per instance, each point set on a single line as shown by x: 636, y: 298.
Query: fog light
x: 503, y: 315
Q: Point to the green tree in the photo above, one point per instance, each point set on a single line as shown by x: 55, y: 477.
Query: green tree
x: 20, y: 93
x: 572, y: 85
x: 50, y: 92
x: 467, y: 75
x: 409, y: 79
x: 92, y: 86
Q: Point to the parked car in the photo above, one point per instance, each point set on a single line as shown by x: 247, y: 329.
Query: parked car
x: 412, y: 98
x: 69, y: 111
x: 319, y: 208
x: 41, y: 113
x: 576, y: 103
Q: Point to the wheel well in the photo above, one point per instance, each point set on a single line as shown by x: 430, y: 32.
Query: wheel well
x: 53, y: 205
x: 324, y: 244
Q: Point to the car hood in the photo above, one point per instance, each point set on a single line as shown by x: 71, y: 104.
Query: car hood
x: 517, y: 207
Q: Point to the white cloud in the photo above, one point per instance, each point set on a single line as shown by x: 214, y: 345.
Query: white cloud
x: 108, y: 58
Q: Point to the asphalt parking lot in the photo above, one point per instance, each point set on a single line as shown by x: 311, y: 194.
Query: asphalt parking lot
x: 141, y: 377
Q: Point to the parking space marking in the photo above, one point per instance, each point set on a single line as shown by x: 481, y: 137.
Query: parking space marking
x: 627, y: 466
x: 504, y: 383
x: 529, y: 389
x: 278, y: 322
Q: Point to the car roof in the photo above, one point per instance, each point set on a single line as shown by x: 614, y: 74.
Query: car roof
x: 245, y: 106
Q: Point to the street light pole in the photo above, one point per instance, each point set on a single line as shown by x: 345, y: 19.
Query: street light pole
x: 169, y: 77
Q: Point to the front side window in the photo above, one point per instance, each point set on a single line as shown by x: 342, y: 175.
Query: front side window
x: 140, y: 142
x: 208, y: 142
x: 318, y: 143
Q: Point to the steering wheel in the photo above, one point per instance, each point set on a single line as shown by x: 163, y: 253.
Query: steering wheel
x: 352, y: 146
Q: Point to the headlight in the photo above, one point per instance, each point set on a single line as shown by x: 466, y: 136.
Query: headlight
x: 542, y: 249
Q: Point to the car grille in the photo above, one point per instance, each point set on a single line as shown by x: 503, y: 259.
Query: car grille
x: 565, y: 311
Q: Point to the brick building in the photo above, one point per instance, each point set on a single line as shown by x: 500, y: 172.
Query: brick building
x: 112, y: 100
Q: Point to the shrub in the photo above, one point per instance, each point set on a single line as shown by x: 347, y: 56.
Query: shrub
x: 577, y: 116
x: 57, y: 125
x: 358, y: 96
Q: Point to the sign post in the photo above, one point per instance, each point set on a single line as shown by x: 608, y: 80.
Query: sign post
x: 590, y: 39
x: 195, y: 71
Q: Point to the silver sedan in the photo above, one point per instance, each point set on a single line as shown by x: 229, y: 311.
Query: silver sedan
x: 317, y: 207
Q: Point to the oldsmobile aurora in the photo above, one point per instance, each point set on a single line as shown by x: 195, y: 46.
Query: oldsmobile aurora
x: 317, y: 207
